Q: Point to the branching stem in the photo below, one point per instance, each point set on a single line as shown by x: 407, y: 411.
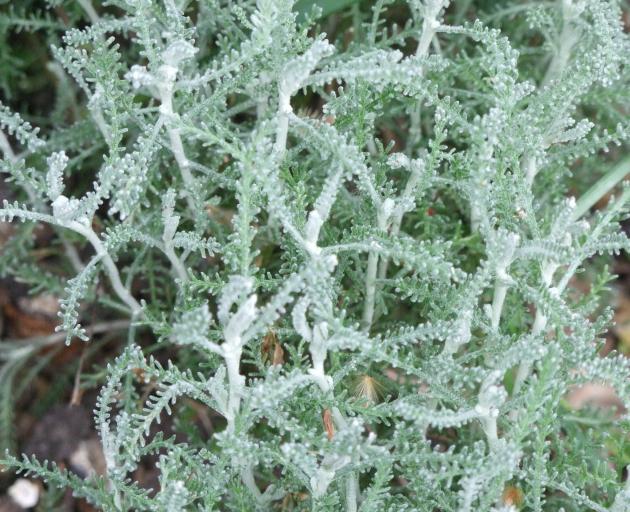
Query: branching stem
x: 383, y: 215
x: 168, y: 75
x: 110, y: 266
x: 540, y: 322
x: 500, y: 291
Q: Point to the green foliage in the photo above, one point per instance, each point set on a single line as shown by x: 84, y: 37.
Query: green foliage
x: 288, y: 212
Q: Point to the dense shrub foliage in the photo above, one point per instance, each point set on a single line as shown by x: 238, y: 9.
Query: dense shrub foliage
x: 361, y: 232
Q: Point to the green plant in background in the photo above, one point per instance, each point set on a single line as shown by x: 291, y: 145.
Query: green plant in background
x: 360, y: 249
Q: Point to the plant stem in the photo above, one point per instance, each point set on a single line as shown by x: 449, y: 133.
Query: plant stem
x: 489, y: 425
x: 351, y: 493
x: 568, y: 37
x: 500, y: 291
x: 168, y: 75
x: 530, y: 168
x: 232, y: 355
x: 384, y: 212
x: 408, y: 192
x: 110, y: 266
x: 429, y: 26
x: 247, y: 476
x: 69, y: 249
x: 604, y: 185
x: 540, y: 322
x: 282, y: 131
x: 176, y: 263
x: 370, y: 291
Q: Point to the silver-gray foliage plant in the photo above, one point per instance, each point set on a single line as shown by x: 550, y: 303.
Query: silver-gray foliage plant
x: 417, y: 233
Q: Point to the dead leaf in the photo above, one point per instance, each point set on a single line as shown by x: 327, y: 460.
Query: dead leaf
x: 513, y: 496
x: 220, y: 215
x: 25, y: 325
x: 44, y: 304
x: 329, y: 426
x: 271, y: 350
x: 268, y: 345
x: 595, y: 395
x: 278, y: 354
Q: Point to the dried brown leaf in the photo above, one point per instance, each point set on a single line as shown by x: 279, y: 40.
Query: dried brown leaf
x: 329, y: 426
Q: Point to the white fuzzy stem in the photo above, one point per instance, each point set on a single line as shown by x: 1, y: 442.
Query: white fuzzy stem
x: 540, y: 322
x: 475, y: 218
x: 351, y: 493
x: 168, y: 75
x: 177, y: 147
x: 502, y: 280
x: 489, y: 424
x: 384, y: 212
x: 370, y: 291
x: 99, y: 120
x: 408, y: 192
x: 429, y: 26
x: 247, y: 476
x: 232, y: 354
x: 69, y: 249
x: 326, y: 386
x: 414, y: 128
x: 568, y: 37
x: 282, y: 131
x: 500, y: 291
x: 530, y: 168
x: 110, y: 266
x: 521, y: 374
x: 176, y: 263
